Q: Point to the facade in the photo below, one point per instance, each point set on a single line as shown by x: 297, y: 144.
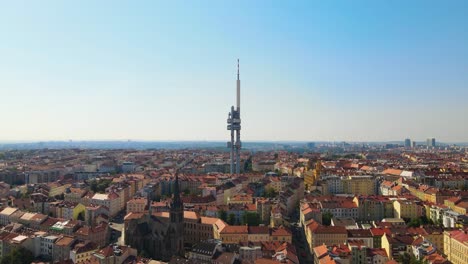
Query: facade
x: 109, y: 200
x: 5, y: 215
x: 456, y: 246
x: 98, y: 234
x: 373, y: 208
x: 359, y: 185
x: 136, y: 205
x: 396, y: 244
x: 333, y: 235
x: 406, y: 209
x: 83, y: 251
x: 62, y: 247
x: 234, y: 234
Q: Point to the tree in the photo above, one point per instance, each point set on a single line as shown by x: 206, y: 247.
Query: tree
x: 231, y: 219
x: 222, y: 215
x: 93, y: 186
x: 403, y: 258
x: 409, y: 259
x: 326, y: 218
x: 157, y: 198
x: 18, y: 256
x: 270, y: 192
x: 251, y: 219
x: 143, y: 254
x: 248, y: 165
x: 417, y: 222
x: 99, y: 186
x: 81, y: 216
x: 187, y: 191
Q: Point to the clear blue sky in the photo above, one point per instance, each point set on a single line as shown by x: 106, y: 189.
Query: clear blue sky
x: 165, y: 70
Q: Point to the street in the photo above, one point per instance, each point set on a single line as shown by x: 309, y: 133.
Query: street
x: 301, y: 245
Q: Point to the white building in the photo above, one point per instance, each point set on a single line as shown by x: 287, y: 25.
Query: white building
x: 109, y: 200
x: 47, y: 243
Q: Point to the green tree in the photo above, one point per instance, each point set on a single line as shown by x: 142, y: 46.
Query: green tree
x: 403, y: 258
x: 222, y: 215
x: 407, y: 258
x: 143, y: 254
x: 326, y: 218
x: 99, y: 186
x: 81, y: 216
x: 93, y: 186
x: 18, y: 256
x: 231, y: 219
x: 270, y: 192
x: 417, y: 222
x: 248, y: 165
x: 251, y: 219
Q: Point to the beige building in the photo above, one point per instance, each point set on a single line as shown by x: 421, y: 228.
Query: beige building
x: 83, y: 251
x: 74, y: 194
x: 359, y: 185
x: 240, y: 199
x: 280, y: 234
x: 258, y: 233
x: 456, y: 246
x: 329, y: 235
x: 234, y: 234
x: 406, y: 209
x: 56, y: 188
x: 136, y: 205
x: 396, y: 244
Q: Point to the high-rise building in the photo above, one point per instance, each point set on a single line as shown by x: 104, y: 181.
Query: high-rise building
x: 407, y: 143
x: 431, y: 142
x: 413, y: 144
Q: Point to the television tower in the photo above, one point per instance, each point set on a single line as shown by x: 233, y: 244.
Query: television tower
x: 234, y: 125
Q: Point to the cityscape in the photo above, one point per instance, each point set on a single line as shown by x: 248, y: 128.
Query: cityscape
x: 124, y: 164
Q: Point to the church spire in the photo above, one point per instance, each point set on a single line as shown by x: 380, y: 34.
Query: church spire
x: 177, y: 206
x: 176, y: 201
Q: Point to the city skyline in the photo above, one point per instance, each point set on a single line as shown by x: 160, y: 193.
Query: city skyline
x: 149, y: 71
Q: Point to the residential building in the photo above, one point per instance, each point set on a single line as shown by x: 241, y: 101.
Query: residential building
x: 456, y: 246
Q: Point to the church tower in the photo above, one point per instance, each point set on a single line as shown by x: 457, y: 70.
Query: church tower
x: 176, y: 229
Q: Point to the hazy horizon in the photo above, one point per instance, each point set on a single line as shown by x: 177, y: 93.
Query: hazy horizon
x: 213, y: 141
x: 360, y: 71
